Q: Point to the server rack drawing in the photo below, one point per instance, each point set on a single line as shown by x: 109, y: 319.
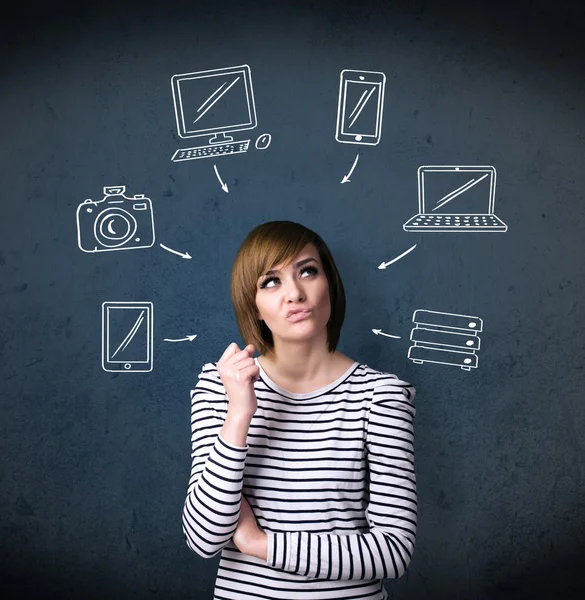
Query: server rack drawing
x: 445, y: 338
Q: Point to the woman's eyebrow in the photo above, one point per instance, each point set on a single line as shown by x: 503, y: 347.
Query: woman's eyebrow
x: 296, y: 265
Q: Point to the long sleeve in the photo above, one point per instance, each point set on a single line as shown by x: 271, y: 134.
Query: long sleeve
x: 212, y: 506
x: 385, y: 550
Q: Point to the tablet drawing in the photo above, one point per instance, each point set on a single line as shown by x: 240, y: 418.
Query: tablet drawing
x: 127, y: 336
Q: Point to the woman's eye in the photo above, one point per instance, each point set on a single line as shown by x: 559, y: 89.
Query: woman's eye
x: 265, y: 283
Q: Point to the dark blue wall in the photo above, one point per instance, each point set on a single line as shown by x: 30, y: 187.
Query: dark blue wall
x: 94, y: 465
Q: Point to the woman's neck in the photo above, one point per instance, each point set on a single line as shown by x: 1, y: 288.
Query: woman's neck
x: 304, y: 369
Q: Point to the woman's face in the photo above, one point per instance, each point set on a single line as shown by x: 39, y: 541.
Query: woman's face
x: 294, y: 301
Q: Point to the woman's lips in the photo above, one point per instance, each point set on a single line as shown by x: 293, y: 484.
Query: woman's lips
x: 299, y: 316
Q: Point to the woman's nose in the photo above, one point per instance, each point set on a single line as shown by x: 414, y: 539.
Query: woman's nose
x: 294, y: 290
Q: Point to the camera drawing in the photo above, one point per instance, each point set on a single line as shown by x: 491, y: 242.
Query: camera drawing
x: 117, y: 222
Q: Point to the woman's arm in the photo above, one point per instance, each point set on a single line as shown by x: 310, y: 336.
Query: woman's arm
x: 386, y: 549
x: 219, y: 448
x: 249, y: 538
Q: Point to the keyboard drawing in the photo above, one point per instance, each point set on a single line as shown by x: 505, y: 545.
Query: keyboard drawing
x: 210, y: 151
x: 455, y: 222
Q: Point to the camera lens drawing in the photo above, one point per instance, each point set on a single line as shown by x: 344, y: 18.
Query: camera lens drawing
x: 117, y: 222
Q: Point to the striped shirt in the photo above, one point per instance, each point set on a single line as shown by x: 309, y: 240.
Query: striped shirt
x: 329, y: 476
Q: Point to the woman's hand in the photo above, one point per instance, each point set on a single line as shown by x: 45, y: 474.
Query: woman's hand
x: 248, y: 537
x: 238, y: 373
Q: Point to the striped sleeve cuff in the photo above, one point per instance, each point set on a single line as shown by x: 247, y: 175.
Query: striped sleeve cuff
x: 277, y: 552
x: 289, y: 551
x: 232, y: 451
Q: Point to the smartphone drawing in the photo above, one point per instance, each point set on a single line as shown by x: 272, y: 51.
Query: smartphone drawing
x: 360, y: 107
x: 127, y: 336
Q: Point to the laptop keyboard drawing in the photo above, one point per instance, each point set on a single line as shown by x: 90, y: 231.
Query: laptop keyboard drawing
x: 456, y: 198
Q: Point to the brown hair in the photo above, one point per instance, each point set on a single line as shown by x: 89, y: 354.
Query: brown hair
x: 266, y: 246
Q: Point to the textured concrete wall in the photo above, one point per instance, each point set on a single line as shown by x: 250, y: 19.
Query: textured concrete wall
x: 94, y: 463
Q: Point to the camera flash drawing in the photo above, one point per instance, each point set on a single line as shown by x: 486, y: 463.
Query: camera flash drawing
x: 360, y: 107
x: 445, y: 338
x: 117, y: 222
x: 127, y: 336
x: 212, y: 104
x: 456, y: 198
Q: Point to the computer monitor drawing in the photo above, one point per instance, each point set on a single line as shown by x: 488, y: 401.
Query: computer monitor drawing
x: 456, y: 198
x: 210, y: 105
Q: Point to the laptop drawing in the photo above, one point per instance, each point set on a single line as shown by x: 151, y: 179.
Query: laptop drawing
x: 452, y: 198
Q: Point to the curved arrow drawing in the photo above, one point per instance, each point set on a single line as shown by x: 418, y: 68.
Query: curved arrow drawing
x: 346, y: 177
x: 379, y: 332
x: 189, y: 338
x: 383, y: 265
x: 183, y: 255
x: 224, y: 186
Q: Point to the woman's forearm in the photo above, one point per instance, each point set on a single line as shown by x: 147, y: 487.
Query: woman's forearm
x: 235, y: 429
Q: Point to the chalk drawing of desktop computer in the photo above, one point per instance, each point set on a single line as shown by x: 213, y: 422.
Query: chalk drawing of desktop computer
x: 211, y: 105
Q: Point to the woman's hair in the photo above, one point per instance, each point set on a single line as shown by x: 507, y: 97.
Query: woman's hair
x: 266, y: 246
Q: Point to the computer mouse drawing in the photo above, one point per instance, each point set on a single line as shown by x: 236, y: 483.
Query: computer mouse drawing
x: 263, y: 141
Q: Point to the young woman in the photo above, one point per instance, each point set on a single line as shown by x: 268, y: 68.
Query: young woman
x: 302, y: 458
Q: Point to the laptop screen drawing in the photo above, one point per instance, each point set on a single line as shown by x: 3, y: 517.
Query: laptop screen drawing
x: 456, y: 192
